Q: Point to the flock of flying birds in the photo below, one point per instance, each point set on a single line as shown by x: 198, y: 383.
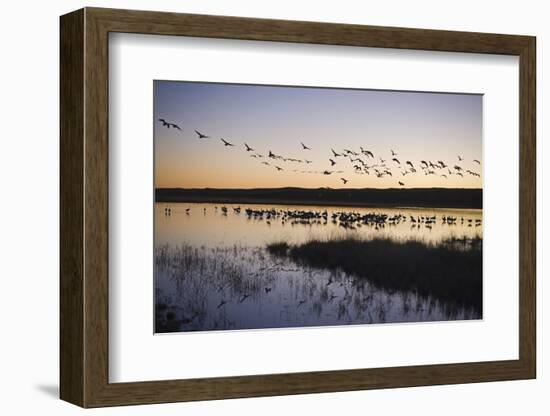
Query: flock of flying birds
x: 362, y: 161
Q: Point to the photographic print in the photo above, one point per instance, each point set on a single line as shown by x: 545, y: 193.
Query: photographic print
x: 291, y: 206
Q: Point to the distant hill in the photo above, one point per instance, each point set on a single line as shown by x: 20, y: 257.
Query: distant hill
x: 416, y: 197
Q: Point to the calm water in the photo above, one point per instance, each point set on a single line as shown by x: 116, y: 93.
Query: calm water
x: 213, y: 272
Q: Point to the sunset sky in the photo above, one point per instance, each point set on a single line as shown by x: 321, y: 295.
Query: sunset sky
x: 417, y: 126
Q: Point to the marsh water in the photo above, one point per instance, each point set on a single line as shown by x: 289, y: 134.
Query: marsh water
x: 213, y: 270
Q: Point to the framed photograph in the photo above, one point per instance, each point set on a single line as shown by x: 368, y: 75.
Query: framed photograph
x: 260, y: 207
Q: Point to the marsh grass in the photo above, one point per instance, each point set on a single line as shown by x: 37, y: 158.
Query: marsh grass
x: 450, y: 271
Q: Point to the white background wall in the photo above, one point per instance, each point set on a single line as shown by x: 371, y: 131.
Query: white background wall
x: 29, y: 159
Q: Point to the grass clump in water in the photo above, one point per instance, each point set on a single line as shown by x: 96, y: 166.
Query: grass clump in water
x: 448, y: 271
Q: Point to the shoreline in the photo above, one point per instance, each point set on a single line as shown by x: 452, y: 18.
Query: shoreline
x: 359, y: 198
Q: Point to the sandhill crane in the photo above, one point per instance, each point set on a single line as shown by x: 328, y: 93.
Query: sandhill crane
x: 168, y: 124
x: 477, y: 161
x: 226, y: 143
x: 201, y: 136
x: 344, y: 180
x: 367, y: 153
x: 401, y: 183
x: 396, y: 160
x: 460, y: 158
x: 335, y: 154
x: 248, y: 148
x: 304, y: 147
x: 332, y: 162
x: 393, y: 153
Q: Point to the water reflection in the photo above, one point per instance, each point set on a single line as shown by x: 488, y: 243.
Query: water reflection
x: 213, y: 272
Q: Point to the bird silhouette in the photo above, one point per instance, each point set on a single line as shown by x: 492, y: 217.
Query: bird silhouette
x: 396, y: 160
x: 477, y: 161
x: 327, y: 172
x: 304, y: 147
x: 335, y: 154
x: 248, y: 148
x: 393, y: 153
x: 226, y: 143
x: 278, y: 168
x: 332, y: 162
x: 344, y: 180
x: 460, y: 158
x: 169, y: 125
x: 401, y: 183
x: 201, y: 136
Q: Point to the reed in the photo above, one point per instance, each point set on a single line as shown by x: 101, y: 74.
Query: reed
x: 450, y: 271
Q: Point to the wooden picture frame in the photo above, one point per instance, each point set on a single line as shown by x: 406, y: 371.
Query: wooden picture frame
x: 84, y: 207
